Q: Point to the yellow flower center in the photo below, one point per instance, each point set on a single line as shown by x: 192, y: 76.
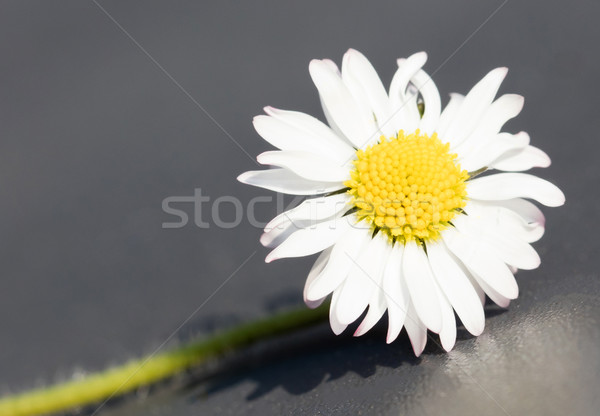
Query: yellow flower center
x: 409, y: 186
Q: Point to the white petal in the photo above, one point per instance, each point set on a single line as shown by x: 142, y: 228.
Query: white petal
x: 284, y: 135
x: 309, y: 213
x: 515, y: 185
x: 320, y: 134
x: 482, y: 262
x: 396, y: 293
x: 377, y: 307
x: 307, y: 165
x: 313, y: 209
x: 377, y: 304
x: 528, y: 211
x: 474, y: 282
x: 309, y: 241
x: 361, y: 100
x: 279, y: 234
x: 419, y: 281
x: 507, y: 220
x: 340, y: 103
x: 417, y: 331
x: 336, y: 326
x: 359, y: 75
x: 314, y: 272
x: 334, y: 127
x: 489, y: 149
x: 482, y: 288
x: 448, y: 332
x: 507, y: 245
x: 506, y: 232
x: 496, y: 297
x: 431, y: 99
x: 361, y: 281
x: 474, y: 105
x: 498, y: 113
x: 405, y: 114
x: 332, y: 65
x: 447, y: 116
x: 515, y: 252
x: 336, y: 270
x: 523, y: 159
x: 456, y: 286
x: 284, y: 181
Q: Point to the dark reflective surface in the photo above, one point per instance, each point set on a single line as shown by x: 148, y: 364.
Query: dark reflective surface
x: 94, y: 135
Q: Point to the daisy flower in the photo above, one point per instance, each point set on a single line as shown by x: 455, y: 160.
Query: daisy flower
x: 401, y: 220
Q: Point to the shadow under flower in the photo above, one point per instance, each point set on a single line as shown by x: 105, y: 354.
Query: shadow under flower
x: 300, y: 362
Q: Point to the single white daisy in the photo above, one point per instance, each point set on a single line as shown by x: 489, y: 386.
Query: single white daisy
x: 401, y: 223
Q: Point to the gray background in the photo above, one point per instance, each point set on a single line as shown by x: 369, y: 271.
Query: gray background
x: 94, y: 135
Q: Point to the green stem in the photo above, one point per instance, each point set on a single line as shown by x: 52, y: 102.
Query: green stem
x: 101, y: 386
